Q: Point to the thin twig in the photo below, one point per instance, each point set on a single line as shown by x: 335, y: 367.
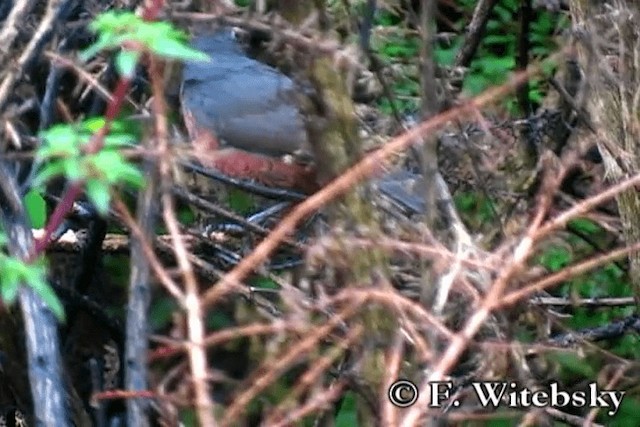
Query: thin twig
x: 195, y: 316
x: 54, y: 8
x: 10, y: 26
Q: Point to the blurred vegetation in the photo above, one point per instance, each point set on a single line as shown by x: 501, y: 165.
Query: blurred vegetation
x: 493, y: 62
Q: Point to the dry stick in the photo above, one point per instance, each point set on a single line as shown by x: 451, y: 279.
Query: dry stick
x: 475, y: 29
x: 586, y: 205
x: 319, y: 401
x: 349, y: 179
x: 559, y: 222
x: 10, y: 26
x: 137, y: 343
x: 389, y: 413
x: 155, y: 264
x: 395, y: 301
x: 173, y: 347
x: 91, y: 81
x: 82, y: 74
x: 495, y: 298
x: 461, y: 339
x: 195, y: 318
x: 46, y: 26
x: 311, y: 376
x: 573, y: 420
x: 563, y: 275
x: 582, y: 302
x: 294, y: 352
x: 40, y: 327
x: 421, y: 250
x: 408, y: 326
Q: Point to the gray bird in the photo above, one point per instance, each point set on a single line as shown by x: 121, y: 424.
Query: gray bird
x: 245, y: 117
x: 249, y: 112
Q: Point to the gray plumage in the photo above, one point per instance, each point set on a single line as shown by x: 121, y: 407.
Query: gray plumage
x: 248, y: 105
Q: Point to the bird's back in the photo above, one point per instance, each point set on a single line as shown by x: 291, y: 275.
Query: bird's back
x: 248, y: 104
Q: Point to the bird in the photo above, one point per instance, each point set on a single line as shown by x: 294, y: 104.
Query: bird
x: 243, y: 116
x: 244, y: 121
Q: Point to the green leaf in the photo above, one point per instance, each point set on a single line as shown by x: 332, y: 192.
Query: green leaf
x: 73, y: 169
x: 131, y: 175
x: 36, y: 208
x: 46, y: 292
x: 161, y: 38
x: 175, y: 49
x: 126, y: 61
x: 555, y: 258
x: 585, y: 226
x: 11, y: 272
x: 105, y: 41
x: 93, y: 125
x: 14, y: 273
x: 99, y: 195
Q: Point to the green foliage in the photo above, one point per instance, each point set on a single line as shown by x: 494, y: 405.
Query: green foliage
x: 240, y: 201
x: 494, y: 60
x: 186, y: 215
x: 188, y: 417
x: 260, y: 282
x: 218, y: 320
x: 15, y: 273
x: 496, y: 55
x: 555, y: 258
x: 628, y: 347
x: 64, y: 153
x: 627, y: 415
x: 128, y: 31
x: 572, y: 364
x: 36, y: 208
x: 585, y: 226
x: 347, y: 416
x: 161, y: 313
x: 475, y: 208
